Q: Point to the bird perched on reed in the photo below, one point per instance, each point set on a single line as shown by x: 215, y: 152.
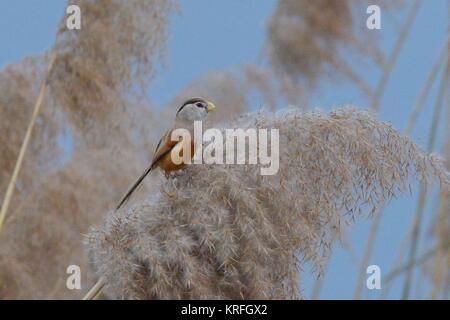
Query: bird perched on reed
x: 195, y: 109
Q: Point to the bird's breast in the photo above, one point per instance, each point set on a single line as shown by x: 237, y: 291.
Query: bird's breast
x: 167, y: 164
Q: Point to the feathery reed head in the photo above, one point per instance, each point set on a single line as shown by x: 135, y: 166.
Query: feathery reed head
x: 226, y: 232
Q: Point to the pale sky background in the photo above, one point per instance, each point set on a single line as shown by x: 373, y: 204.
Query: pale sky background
x: 208, y: 36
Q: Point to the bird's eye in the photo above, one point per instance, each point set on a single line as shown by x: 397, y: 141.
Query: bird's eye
x: 200, y: 105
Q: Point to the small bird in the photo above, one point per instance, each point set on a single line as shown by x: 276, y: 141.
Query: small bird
x: 195, y: 109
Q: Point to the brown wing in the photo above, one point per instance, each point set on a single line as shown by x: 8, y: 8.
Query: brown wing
x: 164, y: 146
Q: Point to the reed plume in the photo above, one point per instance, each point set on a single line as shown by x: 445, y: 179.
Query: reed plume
x: 226, y: 232
x: 90, y: 101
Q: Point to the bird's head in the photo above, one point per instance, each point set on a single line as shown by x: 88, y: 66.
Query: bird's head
x: 195, y: 109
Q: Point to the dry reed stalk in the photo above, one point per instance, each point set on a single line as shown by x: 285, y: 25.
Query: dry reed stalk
x: 95, y: 291
x: 26, y: 140
x: 438, y: 272
x: 367, y: 253
x: 440, y: 276
x: 396, y: 262
x: 375, y: 105
x: 411, y: 121
x: 93, y: 74
x: 401, y: 269
x: 426, y: 88
x: 408, y: 129
x: 422, y: 195
x: 404, y: 31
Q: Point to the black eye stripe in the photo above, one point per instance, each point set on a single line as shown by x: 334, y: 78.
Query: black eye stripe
x: 194, y: 101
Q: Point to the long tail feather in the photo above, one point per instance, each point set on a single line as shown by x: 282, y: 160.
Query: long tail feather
x: 133, y: 187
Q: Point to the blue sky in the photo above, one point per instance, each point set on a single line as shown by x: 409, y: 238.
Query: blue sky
x: 208, y: 36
